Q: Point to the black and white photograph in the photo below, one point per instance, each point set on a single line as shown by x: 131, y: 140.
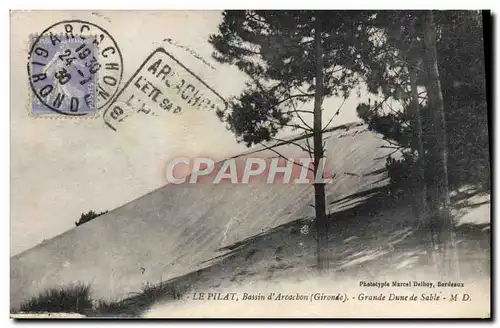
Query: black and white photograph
x: 251, y: 164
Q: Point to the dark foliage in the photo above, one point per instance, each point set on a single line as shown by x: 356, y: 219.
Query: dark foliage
x: 461, y: 68
x: 403, y: 172
x: 462, y: 65
x: 71, y: 299
x: 76, y: 299
x: 86, y: 217
x: 140, y: 302
x: 276, y: 49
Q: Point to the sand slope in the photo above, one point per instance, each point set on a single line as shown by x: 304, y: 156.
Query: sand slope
x: 173, y: 230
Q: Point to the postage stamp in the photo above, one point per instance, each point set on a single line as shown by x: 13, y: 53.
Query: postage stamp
x: 162, y: 84
x: 74, y: 68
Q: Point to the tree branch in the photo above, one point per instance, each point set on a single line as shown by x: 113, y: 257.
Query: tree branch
x: 296, y: 126
x: 288, y: 159
x: 254, y: 17
x: 291, y: 142
x: 391, y: 147
x: 390, y: 107
x: 331, y: 119
x: 392, y: 143
x: 302, y: 92
x: 311, y: 151
x: 303, y: 111
x: 295, y: 96
x: 385, y: 156
x: 300, y: 117
x: 381, y: 103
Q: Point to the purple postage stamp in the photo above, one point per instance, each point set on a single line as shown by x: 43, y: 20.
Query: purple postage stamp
x: 74, y: 68
x: 64, y: 76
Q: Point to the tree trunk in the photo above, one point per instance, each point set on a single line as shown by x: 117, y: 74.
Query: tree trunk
x: 438, y: 188
x: 417, y: 117
x: 319, y: 187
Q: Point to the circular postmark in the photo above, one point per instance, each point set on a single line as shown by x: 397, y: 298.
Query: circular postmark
x: 75, y: 68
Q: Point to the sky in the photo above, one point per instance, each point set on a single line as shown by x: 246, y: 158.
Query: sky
x: 62, y: 167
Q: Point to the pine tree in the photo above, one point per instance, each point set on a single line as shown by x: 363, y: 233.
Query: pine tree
x: 291, y: 58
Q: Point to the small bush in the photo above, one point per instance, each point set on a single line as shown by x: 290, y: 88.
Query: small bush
x: 76, y: 299
x: 70, y: 299
x: 162, y: 291
x: 403, y: 173
x: 86, y: 217
x: 108, y: 308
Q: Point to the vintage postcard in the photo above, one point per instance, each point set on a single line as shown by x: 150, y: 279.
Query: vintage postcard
x: 250, y: 164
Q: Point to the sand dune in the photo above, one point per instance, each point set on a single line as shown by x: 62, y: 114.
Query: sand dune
x: 174, y: 230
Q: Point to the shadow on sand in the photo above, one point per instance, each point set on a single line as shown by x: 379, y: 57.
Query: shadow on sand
x: 374, y: 231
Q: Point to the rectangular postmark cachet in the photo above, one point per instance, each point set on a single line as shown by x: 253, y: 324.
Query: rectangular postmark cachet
x: 74, y: 68
x: 162, y: 84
